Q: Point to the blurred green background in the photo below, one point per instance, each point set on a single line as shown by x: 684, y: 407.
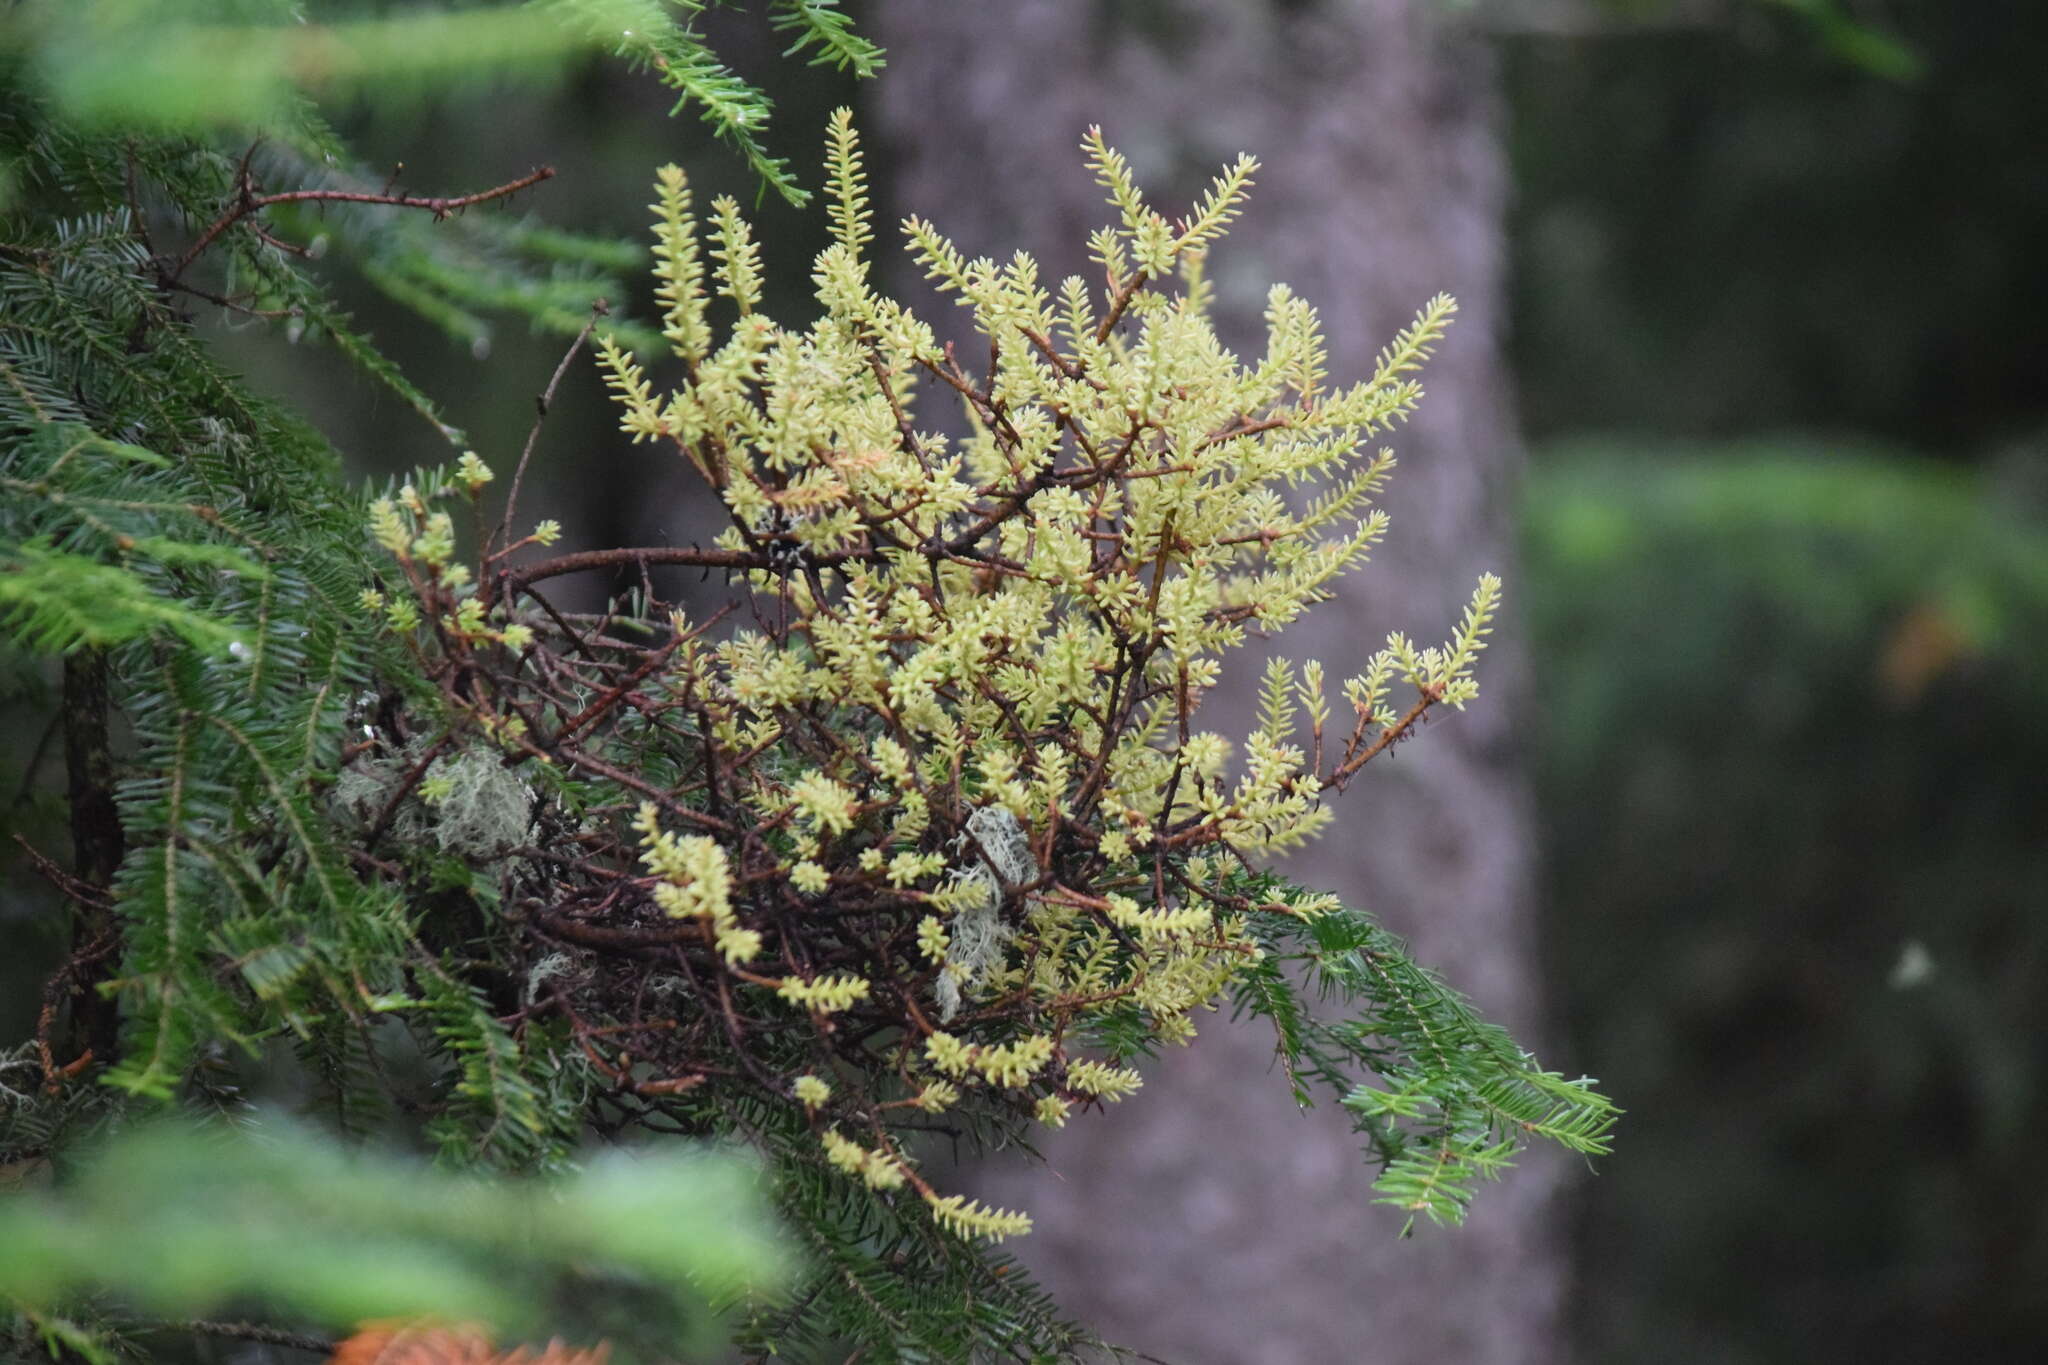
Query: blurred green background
x: 1777, y: 336
x: 1777, y: 340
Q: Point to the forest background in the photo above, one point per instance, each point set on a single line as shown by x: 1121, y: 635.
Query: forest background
x: 1773, y: 325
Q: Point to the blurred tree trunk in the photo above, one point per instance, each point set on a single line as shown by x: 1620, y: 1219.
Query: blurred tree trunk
x: 1206, y: 1220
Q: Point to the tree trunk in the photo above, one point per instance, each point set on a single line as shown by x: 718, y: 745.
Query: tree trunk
x: 1205, y: 1220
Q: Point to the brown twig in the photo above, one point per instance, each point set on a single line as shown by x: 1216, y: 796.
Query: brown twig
x: 1389, y: 737
x: 585, y: 561
x: 1118, y: 304
x: 247, y: 201
x: 599, y: 308
x: 85, y: 893
x: 72, y: 976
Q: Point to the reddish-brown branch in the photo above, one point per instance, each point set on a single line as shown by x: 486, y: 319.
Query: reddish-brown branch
x: 439, y: 207
x: 1070, y: 368
x: 96, y: 903
x: 85, y: 893
x: 634, y: 936
x: 585, y: 561
x: 247, y: 201
x: 1244, y: 426
x: 1388, y: 737
x: 657, y: 796
x: 904, y: 431
x: 615, y: 695
x: 1118, y: 304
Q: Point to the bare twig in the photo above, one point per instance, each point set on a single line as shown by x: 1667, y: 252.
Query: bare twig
x: 85, y: 893
x: 1390, y: 736
x: 599, y: 308
x: 247, y: 201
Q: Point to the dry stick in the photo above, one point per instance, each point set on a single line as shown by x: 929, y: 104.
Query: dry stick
x: 568, y: 631
x: 693, y: 557
x: 904, y: 430
x: 83, y: 892
x: 599, y: 308
x: 46, y: 1018
x: 222, y: 301
x: 248, y: 202
x: 1172, y: 790
x: 1072, y: 369
x: 83, y: 956
x: 1091, y: 786
x: 304, y: 253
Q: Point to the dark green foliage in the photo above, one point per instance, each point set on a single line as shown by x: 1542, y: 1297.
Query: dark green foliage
x: 122, y: 64
x: 1726, y: 229
x: 158, y: 510
x: 514, y: 1101
x: 881, y: 1263
x: 1442, y: 1097
x: 648, y: 38
x: 820, y: 29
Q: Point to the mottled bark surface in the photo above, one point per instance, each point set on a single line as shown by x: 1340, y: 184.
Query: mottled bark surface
x: 1206, y: 1220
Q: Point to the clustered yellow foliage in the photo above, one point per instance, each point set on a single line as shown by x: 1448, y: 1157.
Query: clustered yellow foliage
x: 953, y: 767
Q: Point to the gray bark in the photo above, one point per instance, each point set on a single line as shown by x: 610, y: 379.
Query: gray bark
x: 1206, y: 1220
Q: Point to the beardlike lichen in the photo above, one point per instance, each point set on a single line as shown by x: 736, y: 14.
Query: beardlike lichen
x: 998, y: 861
x: 480, y: 806
x: 468, y: 804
